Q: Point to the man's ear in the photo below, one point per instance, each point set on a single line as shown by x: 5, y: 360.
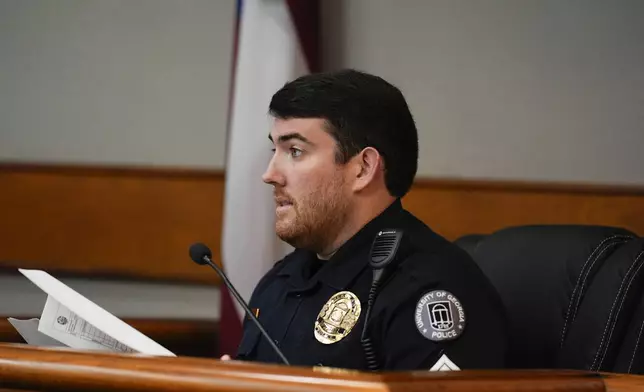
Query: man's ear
x: 368, y: 166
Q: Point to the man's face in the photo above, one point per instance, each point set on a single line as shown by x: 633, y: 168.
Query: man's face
x: 311, y: 191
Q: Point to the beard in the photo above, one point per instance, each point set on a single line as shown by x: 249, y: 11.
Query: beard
x: 314, y: 218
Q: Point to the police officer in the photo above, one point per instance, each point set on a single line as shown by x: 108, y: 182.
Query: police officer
x: 345, y: 153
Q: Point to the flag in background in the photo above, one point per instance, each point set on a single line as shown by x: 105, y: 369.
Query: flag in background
x: 276, y: 41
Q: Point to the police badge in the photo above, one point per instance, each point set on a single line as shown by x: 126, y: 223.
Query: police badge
x: 337, y: 317
x: 440, y: 316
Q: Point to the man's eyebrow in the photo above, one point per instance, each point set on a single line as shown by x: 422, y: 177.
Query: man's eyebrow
x: 289, y: 136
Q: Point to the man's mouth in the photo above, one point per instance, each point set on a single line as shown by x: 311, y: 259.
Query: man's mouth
x: 283, y: 203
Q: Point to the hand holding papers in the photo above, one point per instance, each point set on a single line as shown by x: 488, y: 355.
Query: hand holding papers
x: 73, y: 320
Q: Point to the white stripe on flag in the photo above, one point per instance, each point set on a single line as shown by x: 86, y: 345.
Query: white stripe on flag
x: 269, y: 55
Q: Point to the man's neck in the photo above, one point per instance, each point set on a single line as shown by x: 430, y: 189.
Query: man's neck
x: 362, y: 214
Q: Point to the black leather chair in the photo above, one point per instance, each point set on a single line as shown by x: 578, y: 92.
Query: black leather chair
x: 574, y: 294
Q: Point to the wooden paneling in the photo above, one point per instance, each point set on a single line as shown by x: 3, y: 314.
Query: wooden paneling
x: 112, y: 222
x: 196, y: 338
x: 139, y: 222
x: 455, y: 208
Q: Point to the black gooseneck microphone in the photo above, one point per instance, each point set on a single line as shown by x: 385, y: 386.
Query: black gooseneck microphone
x: 383, y: 253
x: 201, y: 254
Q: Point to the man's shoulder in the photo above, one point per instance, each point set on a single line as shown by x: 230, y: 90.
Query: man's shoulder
x: 442, y: 263
x: 280, y: 264
x: 425, y: 243
x: 291, y: 256
x: 435, y: 266
x: 273, y: 272
x: 431, y: 260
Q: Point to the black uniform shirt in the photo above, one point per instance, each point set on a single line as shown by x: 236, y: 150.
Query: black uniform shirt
x: 435, y: 302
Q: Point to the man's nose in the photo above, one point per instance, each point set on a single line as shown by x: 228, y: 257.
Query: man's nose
x: 272, y: 175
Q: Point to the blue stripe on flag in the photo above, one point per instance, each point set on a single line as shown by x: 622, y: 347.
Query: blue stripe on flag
x: 240, y: 6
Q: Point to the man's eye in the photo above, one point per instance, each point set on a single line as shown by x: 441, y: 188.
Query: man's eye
x: 295, y: 152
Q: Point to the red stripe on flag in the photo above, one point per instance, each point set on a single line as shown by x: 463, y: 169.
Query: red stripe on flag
x: 230, y: 326
x: 305, y: 18
x: 305, y: 15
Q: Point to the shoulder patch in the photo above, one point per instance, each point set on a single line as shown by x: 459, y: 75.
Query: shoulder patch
x: 439, y: 316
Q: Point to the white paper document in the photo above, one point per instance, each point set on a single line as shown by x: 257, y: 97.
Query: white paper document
x: 28, y: 329
x: 73, y: 320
